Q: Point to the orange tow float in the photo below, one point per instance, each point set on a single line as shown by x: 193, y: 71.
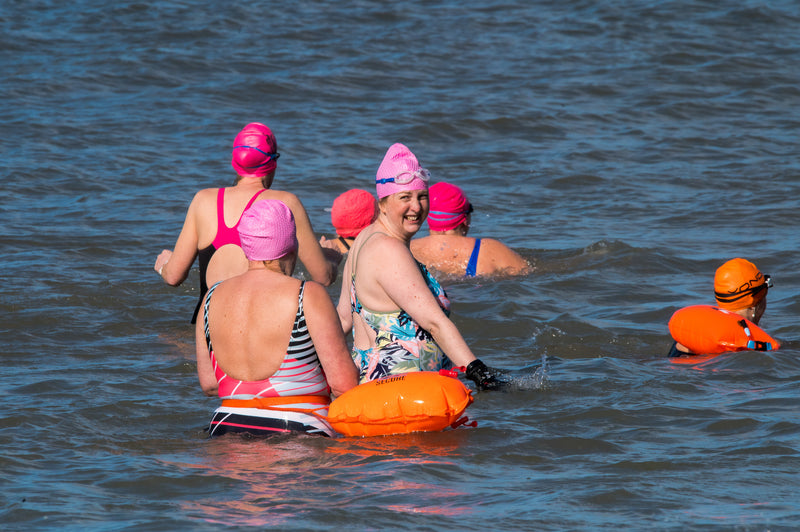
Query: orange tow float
x: 408, y: 402
x: 707, y: 330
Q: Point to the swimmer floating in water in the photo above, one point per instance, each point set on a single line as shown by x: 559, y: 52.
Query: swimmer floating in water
x: 741, y: 293
x: 449, y: 250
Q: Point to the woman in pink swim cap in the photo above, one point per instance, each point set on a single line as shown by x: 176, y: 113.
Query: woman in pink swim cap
x: 352, y: 211
x: 449, y: 250
x: 210, y: 230
x: 269, y: 345
x: 397, y: 311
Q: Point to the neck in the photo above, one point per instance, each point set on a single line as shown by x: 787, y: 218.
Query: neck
x: 458, y: 231
x: 747, y: 313
x: 255, y: 182
x: 274, y: 266
x: 393, y: 233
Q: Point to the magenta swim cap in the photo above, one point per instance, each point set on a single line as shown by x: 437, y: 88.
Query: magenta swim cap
x: 449, y: 207
x: 399, y: 172
x: 267, y: 230
x: 255, y: 151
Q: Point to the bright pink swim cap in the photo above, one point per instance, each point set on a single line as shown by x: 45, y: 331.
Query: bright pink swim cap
x: 353, y: 211
x: 255, y: 151
x: 399, y: 164
x: 449, y: 207
x: 267, y: 230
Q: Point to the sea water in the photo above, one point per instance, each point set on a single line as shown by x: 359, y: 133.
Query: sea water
x: 626, y: 149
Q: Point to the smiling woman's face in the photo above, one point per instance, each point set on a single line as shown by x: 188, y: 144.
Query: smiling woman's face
x: 404, y: 213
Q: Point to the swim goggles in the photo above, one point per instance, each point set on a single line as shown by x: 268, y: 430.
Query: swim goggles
x: 405, y: 177
x: 745, y: 290
x: 269, y: 156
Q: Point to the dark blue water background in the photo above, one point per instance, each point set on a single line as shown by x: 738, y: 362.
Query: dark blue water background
x: 626, y: 148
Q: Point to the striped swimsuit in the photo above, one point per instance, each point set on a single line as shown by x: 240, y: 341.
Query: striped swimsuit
x: 279, y: 403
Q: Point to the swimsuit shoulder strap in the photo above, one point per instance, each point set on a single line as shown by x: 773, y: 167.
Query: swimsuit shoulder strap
x: 357, y: 252
x: 300, y: 301
x: 472, y: 265
x: 205, y: 316
x: 250, y: 203
x: 221, y: 208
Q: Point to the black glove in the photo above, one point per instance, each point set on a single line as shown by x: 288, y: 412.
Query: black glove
x: 478, y: 373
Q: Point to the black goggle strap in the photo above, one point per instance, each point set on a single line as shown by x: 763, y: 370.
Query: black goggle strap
x: 730, y: 298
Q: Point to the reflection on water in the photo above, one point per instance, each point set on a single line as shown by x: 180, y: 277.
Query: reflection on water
x: 265, y: 478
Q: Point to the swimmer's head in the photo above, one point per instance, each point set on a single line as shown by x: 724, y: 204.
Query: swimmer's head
x: 738, y: 285
x: 399, y: 172
x: 267, y: 231
x: 449, y: 207
x: 352, y: 212
x: 255, y: 151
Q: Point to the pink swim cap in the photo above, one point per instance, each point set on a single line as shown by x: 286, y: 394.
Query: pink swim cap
x: 267, y: 230
x: 399, y: 164
x: 255, y: 151
x: 449, y: 207
x: 353, y: 211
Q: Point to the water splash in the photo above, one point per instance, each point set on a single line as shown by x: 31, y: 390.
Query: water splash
x: 523, y: 379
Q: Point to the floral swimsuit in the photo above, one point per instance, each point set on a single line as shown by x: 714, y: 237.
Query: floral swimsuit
x: 401, y: 345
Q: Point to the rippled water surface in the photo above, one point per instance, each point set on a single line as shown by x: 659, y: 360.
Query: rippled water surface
x: 626, y: 149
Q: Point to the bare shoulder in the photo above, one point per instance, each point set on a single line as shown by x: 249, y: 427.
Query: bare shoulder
x: 290, y: 199
x: 490, y: 244
x: 503, y: 258
x: 381, y: 257
x: 316, y: 298
x: 313, y: 291
x: 437, y: 243
x: 205, y: 196
x: 385, y: 244
x: 420, y: 247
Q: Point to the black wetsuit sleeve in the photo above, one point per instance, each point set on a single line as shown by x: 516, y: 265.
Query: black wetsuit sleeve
x: 675, y: 352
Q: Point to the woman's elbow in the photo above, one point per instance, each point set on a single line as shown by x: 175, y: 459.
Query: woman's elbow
x: 437, y: 325
x: 172, y: 279
x: 209, y: 387
x: 344, y: 383
x: 325, y: 274
x: 331, y: 273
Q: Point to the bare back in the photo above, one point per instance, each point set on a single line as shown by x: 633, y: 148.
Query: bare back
x: 229, y: 260
x: 446, y: 253
x: 450, y: 254
x: 251, y: 333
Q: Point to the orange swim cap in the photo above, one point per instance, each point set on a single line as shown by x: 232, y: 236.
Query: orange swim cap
x: 738, y: 284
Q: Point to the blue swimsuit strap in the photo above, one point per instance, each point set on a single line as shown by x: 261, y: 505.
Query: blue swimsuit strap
x: 472, y: 265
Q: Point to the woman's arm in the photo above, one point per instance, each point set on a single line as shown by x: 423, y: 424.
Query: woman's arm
x: 310, y: 253
x: 174, y: 266
x: 326, y: 333
x: 400, y: 278
x: 205, y: 371
x: 343, y: 308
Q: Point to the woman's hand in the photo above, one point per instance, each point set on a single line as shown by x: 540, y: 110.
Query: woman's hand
x: 330, y: 244
x: 162, y: 260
